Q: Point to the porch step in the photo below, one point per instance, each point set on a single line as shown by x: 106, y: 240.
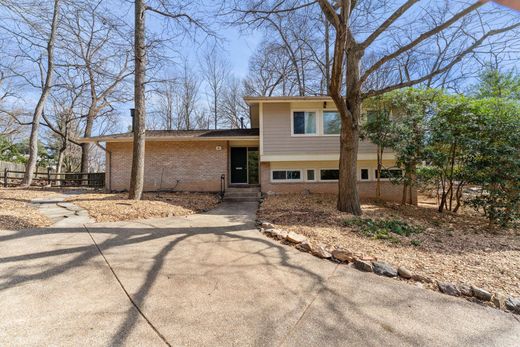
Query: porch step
x: 242, y: 194
x: 241, y: 199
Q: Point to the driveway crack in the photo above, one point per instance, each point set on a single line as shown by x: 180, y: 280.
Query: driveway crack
x: 318, y: 292
x: 134, y: 304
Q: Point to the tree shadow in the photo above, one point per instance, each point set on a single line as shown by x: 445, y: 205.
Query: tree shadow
x: 235, y: 228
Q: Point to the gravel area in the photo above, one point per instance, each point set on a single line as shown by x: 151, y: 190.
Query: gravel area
x: 16, y: 211
x: 458, y: 248
x: 116, y: 207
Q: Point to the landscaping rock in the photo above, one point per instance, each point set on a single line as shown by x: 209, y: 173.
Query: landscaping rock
x: 466, y: 290
x: 448, y: 288
x: 295, y: 238
x: 481, y: 294
x: 343, y: 255
x: 363, y: 266
x: 383, y: 269
x: 304, y: 246
x: 421, y: 278
x: 404, y: 272
x: 513, y: 305
x: 499, y: 300
x: 278, y: 234
x: 320, y: 251
x: 267, y: 225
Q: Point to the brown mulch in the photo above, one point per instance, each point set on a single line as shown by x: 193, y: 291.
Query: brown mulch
x: 16, y: 211
x: 116, y: 207
x: 457, y: 248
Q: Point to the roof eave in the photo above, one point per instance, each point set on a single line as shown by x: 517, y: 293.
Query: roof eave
x: 167, y: 138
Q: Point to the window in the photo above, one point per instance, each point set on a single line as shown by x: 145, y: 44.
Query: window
x: 304, y: 123
x: 364, y: 174
x: 286, y: 175
x: 311, y: 176
x: 331, y: 123
x: 329, y: 174
x: 390, y: 173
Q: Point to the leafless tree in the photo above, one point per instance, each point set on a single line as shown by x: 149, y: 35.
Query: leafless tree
x: 180, y: 15
x: 187, y: 97
x: 215, y: 71
x: 95, y: 43
x: 164, y: 115
x: 34, y: 27
x: 234, y: 109
x: 398, y: 38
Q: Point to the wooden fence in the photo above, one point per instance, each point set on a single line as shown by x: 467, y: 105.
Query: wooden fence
x: 49, y: 178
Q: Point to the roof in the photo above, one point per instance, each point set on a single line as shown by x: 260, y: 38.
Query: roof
x: 250, y: 100
x: 179, y: 135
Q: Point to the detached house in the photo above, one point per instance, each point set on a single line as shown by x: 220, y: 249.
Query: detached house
x: 292, y: 146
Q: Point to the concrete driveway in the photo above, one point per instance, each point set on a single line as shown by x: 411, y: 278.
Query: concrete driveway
x: 212, y: 279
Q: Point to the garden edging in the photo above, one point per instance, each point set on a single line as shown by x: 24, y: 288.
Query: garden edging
x: 381, y: 268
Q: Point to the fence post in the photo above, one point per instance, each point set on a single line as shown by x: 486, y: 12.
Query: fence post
x: 49, y: 176
x: 5, y: 177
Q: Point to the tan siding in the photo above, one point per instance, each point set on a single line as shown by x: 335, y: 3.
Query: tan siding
x: 277, y: 137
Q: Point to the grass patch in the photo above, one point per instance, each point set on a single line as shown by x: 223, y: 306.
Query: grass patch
x: 382, y: 229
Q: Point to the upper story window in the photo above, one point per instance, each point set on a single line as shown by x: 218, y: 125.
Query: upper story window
x: 304, y: 123
x: 331, y: 123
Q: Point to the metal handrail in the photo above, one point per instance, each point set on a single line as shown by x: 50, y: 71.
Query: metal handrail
x: 222, y: 186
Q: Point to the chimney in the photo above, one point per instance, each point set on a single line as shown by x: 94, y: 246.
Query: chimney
x: 241, y: 122
x: 132, y: 114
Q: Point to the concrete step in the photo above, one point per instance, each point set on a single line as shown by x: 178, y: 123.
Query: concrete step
x: 241, y: 199
x: 242, y: 194
x: 242, y: 189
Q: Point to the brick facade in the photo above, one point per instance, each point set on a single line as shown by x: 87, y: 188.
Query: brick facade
x: 367, y: 190
x: 182, y: 165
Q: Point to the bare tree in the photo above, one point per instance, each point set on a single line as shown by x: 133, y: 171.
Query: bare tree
x: 396, y: 38
x: 95, y: 44
x: 178, y: 13
x: 34, y: 26
x: 214, y: 70
x: 187, y: 97
x: 234, y: 109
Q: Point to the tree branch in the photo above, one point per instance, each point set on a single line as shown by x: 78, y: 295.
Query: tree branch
x: 459, y: 57
x: 420, y: 39
x: 398, y: 13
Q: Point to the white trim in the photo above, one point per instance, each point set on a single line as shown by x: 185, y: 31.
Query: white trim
x: 286, y: 180
x: 306, y: 177
x: 326, y: 168
x: 316, y: 125
x: 323, y: 125
x: 321, y: 157
x: 385, y: 179
x: 369, y: 175
x: 261, y: 125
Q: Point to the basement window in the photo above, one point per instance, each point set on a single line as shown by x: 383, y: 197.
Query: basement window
x: 329, y: 174
x: 286, y: 175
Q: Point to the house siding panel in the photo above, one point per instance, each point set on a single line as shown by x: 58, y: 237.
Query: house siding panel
x: 277, y: 139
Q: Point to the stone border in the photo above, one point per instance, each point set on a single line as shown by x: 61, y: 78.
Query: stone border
x: 371, y: 264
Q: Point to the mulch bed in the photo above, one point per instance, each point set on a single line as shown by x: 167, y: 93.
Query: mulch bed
x: 458, y: 248
x: 116, y: 207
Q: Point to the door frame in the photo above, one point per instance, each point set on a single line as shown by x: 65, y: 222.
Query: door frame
x: 247, y: 165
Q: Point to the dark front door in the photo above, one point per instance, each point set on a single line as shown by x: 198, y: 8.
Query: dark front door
x: 238, y: 164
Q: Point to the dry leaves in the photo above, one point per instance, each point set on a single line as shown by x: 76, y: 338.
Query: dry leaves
x: 457, y: 248
x: 116, y: 207
x: 16, y: 211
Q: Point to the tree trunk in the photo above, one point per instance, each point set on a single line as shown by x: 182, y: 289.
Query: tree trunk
x: 137, y: 175
x: 85, y: 147
x: 33, y: 139
x: 379, y: 167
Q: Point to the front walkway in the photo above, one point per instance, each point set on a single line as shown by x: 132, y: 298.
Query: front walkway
x: 212, y: 279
